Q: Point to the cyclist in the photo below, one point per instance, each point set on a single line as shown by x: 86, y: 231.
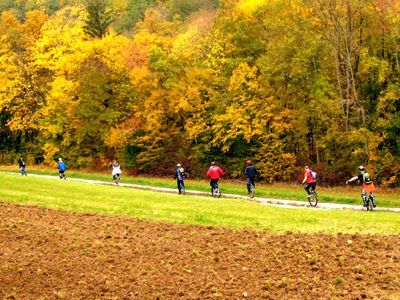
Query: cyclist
x: 214, y: 173
x: 250, y: 171
x: 310, y: 179
x: 22, y: 166
x: 116, y: 171
x: 368, y: 186
x: 61, y: 168
x: 180, y: 175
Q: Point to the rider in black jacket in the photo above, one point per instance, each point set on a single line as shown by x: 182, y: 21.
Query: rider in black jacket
x: 251, y: 172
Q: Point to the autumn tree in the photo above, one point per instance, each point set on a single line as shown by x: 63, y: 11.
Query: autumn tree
x: 22, y: 91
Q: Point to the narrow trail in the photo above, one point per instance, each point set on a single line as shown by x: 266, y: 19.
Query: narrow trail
x: 294, y: 204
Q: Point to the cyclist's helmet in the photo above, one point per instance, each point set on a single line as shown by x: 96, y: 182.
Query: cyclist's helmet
x: 249, y: 162
x: 60, y: 159
x: 361, y: 168
x: 178, y: 165
x: 213, y: 163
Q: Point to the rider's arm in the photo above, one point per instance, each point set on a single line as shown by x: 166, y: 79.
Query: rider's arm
x: 352, y: 179
x: 305, y: 179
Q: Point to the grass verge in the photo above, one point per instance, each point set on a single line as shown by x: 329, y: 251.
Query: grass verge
x: 341, y: 195
x: 119, y: 201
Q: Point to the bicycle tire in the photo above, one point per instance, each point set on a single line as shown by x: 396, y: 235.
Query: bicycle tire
x: 370, y: 205
x: 313, y: 199
x: 252, y: 191
x: 182, y: 189
x: 216, y: 193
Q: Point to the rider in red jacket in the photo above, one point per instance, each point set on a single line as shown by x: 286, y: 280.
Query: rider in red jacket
x: 214, y: 173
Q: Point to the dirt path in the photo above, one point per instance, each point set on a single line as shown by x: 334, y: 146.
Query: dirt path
x: 47, y: 254
x: 267, y: 201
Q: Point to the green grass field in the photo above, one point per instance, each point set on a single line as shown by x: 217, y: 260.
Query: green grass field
x: 341, y: 195
x: 120, y: 201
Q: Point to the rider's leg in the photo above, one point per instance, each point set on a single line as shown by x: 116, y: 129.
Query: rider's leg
x: 313, y: 186
x: 371, y: 194
x: 307, y: 188
x: 364, y: 197
x: 214, y: 184
x: 180, y: 185
x: 252, y: 181
x: 248, y: 185
x: 116, y: 178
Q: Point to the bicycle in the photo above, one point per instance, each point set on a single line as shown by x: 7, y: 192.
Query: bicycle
x: 181, y: 188
x: 252, y: 191
x: 117, y: 178
x: 23, y: 171
x: 313, y: 198
x: 369, y: 203
x: 215, y: 191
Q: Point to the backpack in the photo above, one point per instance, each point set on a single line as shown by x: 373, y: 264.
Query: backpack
x: 314, y: 175
x: 366, y: 178
x: 182, y: 172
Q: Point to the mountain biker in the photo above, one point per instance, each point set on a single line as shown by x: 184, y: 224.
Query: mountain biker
x: 61, y: 168
x: 22, y: 166
x: 367, y: 184
x: 180, y: 175
x: 116, y: 171
x: 310, y: 179
x: 250, y: 171
x: 214, y: 173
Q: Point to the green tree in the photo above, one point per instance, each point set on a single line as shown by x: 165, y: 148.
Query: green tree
x: 99, y: 18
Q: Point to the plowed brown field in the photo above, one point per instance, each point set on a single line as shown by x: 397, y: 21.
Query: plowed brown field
x: 47, y: 254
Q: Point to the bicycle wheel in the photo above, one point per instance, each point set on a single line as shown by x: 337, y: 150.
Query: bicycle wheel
x: 370, y: 204
x: 182, y: 189
x: 313, y: 199
x: 216, y: 193
x: 252, y: 191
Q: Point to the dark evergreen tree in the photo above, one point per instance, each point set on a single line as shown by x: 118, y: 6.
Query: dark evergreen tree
x: 99, y: 18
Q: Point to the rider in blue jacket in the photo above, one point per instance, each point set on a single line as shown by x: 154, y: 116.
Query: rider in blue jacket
x: 61, y: 168
x: 180, y: 175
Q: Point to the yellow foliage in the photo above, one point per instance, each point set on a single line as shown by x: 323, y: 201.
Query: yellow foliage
x: 60, y: 108
x: 248, y: 113
x: 248, y: 7
x: 139, y: 75
x: 119, y: 6
x: 120, y: 135
x: 50, y: 152
x: 61, y: 47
